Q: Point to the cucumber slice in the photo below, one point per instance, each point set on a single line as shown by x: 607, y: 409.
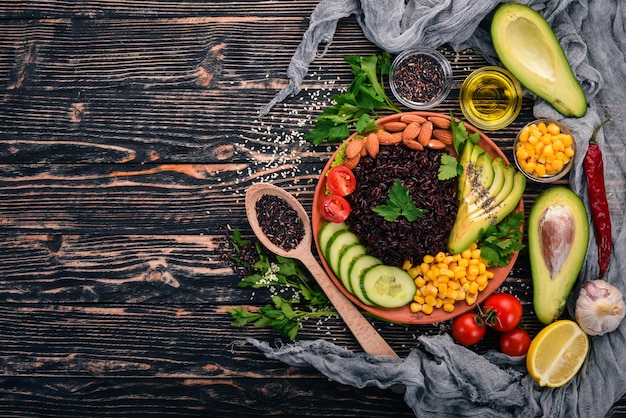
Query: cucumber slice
x: 338, y: 242
x: 387, y: 286
x: 327, y: 230
x: 346, y: 258
x: 359, y: 265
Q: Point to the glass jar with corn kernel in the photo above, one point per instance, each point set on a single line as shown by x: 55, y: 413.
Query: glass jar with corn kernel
x: 544, y: 150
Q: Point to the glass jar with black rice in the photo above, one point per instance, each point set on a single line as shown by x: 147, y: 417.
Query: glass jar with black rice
x: 421, y: 78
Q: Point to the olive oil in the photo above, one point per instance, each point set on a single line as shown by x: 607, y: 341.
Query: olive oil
x: 491, y: 98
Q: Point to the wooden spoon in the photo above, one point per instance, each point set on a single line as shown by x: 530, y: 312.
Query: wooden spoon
x: 363, y: 331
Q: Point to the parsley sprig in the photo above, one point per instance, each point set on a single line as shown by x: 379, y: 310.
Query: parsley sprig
x: 399, y: 204
x: 264, y: 269
x: 450, y: 167
x: 498, y: 242
x: 358, y: 105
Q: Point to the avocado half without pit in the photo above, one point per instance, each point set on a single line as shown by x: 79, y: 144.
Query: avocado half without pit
x: 529, y: 49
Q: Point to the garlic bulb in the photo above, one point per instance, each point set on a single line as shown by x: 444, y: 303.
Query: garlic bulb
x: 599, y: 308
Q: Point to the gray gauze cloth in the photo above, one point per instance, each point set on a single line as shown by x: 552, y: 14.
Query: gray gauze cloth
x: 442, y: 378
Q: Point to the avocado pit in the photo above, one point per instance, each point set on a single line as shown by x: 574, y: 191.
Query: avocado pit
x: 557, y: 235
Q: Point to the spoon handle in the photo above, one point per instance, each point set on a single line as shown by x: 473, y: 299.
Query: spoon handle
x: 369, y: 339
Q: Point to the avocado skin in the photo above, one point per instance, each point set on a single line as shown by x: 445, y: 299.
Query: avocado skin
x: 554, y: 276
x: 528, y: 48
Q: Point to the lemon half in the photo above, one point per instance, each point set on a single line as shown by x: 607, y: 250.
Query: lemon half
x: 557, y: 353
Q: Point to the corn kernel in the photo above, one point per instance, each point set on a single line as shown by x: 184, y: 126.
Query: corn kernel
x: 470, y: 298
x: 420, y: 281
x: 448, y: 307
x: 473, y: 288
x: 414, y: 271
x: 415, y: 307
x: 427, y: 309
x: 443, y: 287
x: 553, y: 129
x: 482, y: 279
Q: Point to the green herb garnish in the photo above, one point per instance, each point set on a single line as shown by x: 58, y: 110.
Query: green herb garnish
x: 358, y: 105
x: 498, y: 242
x: 449, y: 168
x: 460, y: 134
x: 399, y: 204
x: 271, y: 271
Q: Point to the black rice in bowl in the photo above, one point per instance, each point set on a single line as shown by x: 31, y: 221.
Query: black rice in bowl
x: 393, y: 242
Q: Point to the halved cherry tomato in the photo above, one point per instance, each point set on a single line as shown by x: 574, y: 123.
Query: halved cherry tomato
x: 468, y: 329
x: 335, y: 208
x: 507, y: 311
x: 341, y: 180
x: 515, y: 342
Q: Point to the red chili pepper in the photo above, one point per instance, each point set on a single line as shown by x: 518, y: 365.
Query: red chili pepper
x: 594, y: 168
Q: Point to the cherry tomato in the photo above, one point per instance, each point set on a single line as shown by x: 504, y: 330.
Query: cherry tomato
x: 467, y: 329
x: 515, y: 342
x: 507, y: 311
x: 335, y: 208
x: 341, y: 180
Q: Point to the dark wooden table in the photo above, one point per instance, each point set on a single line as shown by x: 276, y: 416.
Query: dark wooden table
x: 128, y: 136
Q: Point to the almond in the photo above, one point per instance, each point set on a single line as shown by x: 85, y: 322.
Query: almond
x: 436, y: 144
x: 411, y: 131
x: 354, y: 148
x: 386, y: 138
x: 413, y: 144
x: 425, y: 133
x: 351, y: 162
x: 410, y: 117
x: 396, y: 137
x: 443, y: 135
x: 441, y: 123
x: 371, y: 145
x: 364, y: 150
x: 394, y: 126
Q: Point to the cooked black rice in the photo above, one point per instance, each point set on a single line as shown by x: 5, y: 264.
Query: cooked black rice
x: 394, y: 242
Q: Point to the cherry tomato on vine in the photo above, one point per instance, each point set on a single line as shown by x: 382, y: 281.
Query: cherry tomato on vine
x: 341, y: 180
x: 468, y: 329
x: 515, y: 342
x: 507, y: 311
x: 335, y: 208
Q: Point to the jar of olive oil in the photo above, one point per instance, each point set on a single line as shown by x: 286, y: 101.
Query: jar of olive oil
x: 490, y: 98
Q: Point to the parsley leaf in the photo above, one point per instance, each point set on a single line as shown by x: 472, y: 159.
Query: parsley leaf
x: 262, y: 269
x: 365, y: 95
x: 449, y: 167
x: 399, y: 204
x: 460, y: 134
x: 498, y: 242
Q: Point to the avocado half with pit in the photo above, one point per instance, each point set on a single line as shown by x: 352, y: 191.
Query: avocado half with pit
x: 558, y: 235
x: 528, y: 48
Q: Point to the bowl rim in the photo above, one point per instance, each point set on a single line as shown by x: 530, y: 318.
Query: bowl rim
x: 545, y: 179
x: 403, y: 315
x: 447, y: 79
x: 518, y: 99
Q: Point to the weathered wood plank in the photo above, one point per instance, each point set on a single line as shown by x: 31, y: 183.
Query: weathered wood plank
x: 153, y: 9
x: 167, y: 339
x: 202, y: 397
